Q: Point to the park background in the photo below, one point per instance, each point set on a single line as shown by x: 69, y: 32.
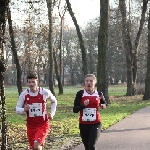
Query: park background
x: 113, y: 45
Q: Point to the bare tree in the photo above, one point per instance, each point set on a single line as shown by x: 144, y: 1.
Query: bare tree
x: 50, y: 5
x: 130, y: 50
x: 59, y: 69
x: 102, y: 84
x: 84, y: 57
x: 147, y: 80
x: 137, y: 40
x: 14, y: 51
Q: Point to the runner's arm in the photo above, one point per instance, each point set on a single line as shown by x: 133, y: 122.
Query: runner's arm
x: 102, y: 98
x: 53, y: 100
x: 103, y: 102
x: 20, y: 103
x: 77, y: 106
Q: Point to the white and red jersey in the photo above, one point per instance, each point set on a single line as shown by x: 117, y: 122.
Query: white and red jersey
x: 90, y: 114
x: 37, y: 114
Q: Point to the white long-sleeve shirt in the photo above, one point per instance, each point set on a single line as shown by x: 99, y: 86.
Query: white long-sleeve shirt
x: 46, y: 95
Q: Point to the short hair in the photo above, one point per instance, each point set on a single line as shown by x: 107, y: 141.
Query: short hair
x: 91, y: 75
x: 32, y: 75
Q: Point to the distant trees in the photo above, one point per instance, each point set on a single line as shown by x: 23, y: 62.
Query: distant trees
x: 91, y: 43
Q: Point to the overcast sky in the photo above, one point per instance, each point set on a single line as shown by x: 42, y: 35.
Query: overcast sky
x: 85, y: 10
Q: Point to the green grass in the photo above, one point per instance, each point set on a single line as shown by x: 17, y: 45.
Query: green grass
x: 117, y: 90
x: 65, y: 122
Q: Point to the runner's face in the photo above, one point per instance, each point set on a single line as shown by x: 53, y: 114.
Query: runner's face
x: 89, y: 83
x: 33, y: 84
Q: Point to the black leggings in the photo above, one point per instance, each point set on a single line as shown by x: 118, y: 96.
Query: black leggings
x: 89, y: 134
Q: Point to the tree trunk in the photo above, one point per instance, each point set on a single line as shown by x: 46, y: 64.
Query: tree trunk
x: 59, y: 76
x: 60, y: 87
x: 135, y: 48
x: 84, y: 57
x: 50, y: 45
x: 14, y: 51
x: 4, y: 4
x: 131, y: 52
x: 147, y: 80
x: 127, y: 46
x: 102, y: 81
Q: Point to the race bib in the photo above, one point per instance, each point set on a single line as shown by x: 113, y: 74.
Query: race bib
x: 35, y: 110
x: 89, y: 114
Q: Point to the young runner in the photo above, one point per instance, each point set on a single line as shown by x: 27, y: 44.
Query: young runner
x: 32, y: 101
x: 87, y: 102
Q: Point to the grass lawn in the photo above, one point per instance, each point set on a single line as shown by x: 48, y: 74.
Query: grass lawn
x: 65, y: 123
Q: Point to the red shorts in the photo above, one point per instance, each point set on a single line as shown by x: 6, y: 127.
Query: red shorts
x: 39, y: 134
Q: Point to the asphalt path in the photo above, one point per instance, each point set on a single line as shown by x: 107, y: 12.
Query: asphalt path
x: 131, y: 133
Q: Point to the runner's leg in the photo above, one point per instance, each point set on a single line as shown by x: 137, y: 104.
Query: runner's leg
x: 85, y: 133
x: 94, y: 135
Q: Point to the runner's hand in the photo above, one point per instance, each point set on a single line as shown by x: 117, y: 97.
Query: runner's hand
x: 26, y: 107
x: 50, y: 117
x: 103, y: 106
x: 86, y: 102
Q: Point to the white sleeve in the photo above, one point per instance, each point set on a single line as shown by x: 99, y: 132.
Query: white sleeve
x: 20, y: 103
x: 53, y: 100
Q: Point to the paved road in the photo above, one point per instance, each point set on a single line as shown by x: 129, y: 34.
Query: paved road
x: 131, y: 133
